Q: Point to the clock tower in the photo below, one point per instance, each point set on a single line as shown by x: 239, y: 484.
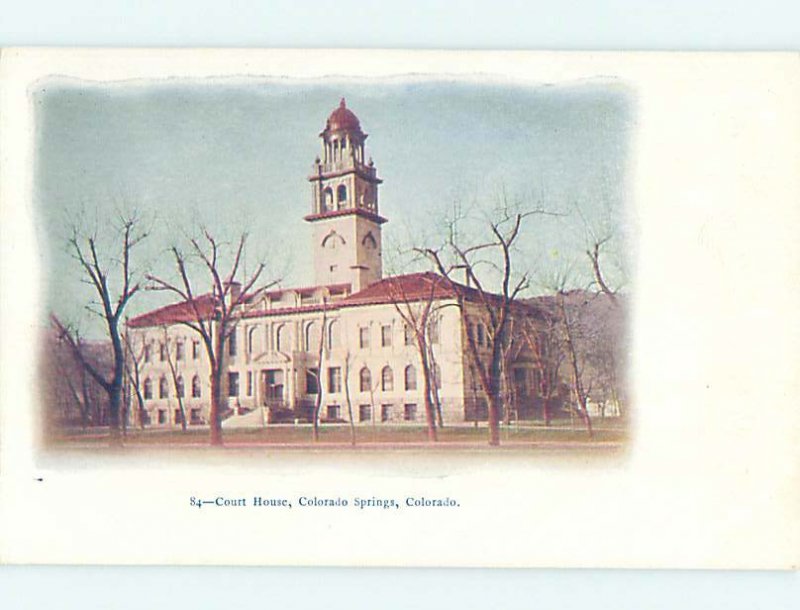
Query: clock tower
x: 344, y: 206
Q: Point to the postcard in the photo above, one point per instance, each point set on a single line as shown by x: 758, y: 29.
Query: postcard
x: 399, y: 308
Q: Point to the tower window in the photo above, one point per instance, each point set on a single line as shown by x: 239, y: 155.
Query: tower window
x: 341, y: 195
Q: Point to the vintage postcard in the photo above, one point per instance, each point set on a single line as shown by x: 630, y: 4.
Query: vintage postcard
x: 329, y: 307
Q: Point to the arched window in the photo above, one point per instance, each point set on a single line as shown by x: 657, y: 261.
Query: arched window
x: 252, y: 340
x: 148, y: 388
x: 179, y: 387
x: 341, y: 195
x: 163, y: 388
x: 311, y: 338
x: 369, y: 241
x: 411, y: 378
x: 328, y: 198
x: 196, y: 387
x: 387, y: 379
x: 333, y: 334
x: 280, y: 338
x: 366, y: 380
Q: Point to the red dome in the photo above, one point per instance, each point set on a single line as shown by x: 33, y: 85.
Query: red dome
x: 342, y: 119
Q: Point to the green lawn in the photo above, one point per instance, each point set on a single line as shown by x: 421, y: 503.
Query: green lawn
x: 605, y: 431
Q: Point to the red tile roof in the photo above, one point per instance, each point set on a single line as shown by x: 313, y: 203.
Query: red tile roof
x: 404, y: 288
x: 175, y: 313
x: 411, y: 287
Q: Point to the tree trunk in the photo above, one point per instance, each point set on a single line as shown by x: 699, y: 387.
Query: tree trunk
x: 430, y: 414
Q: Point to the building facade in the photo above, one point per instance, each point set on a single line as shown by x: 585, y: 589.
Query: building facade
x: 350, y: 336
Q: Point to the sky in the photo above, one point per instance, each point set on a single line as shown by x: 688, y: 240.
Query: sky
x: 234, y: 155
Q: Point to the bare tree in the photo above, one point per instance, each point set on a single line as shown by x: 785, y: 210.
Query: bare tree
x: 318, y: 374
x: 177, y: 381
x: 417, y: 312
x: 569, y: 326
x: 104, y: 273
x: 133, y: 370
x: 492, y: 309
x: 217, y: 322
x: 347, y: 361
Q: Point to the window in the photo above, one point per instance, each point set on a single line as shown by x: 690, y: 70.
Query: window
x: 436, y: 373
x: 334, y: 379
x: 162, y: 416
x: 194, y: 416
x: 162, y: 352
x: 410, y: 412
x: 386, y: 336
x: 178, y: 416
x: 363, y: 337
x: 196, y: 393
x: 333, y: 334
x: 341, y: 194
x: 364, y: 412
x: 249, y: 383
x: 408, y: 335
x: 433, y: 329
x: 328, y: 195
x: 147, y: 354
x: 311, y: 337
x: 195, y: 350
x: 312, y: 383
x: 179, y: 389
x: 273, y: 379
x: 480, y: 333
x: 280, y: 339
x: 148, y: 389
x: 232, y: 343
x: 179, y: 351
x: 334, y: 412
x: 471, y: 331
x: 521, y: 383
x: 252, y: 339
x: 365, y: 380
x: 233, y: 384
x: 163, y: 388
x: 387, y: 379
x: 411, y: 378
x: 386, y: 413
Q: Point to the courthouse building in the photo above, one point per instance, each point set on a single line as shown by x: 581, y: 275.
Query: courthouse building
x: 370, y: 360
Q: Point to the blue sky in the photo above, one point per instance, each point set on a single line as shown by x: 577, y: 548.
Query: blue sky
x: 234, y: 155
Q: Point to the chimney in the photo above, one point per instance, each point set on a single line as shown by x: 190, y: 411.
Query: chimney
x: 234, y: 289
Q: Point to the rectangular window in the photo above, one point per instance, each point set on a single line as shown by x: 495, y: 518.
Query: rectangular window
x: 195, y: 416
x: 179, y: 350
x: 364, y: 412
x: 433, y: 329
x: 273, y: 380
x: 410, y: 412
x: 386, y: 336
x: 334, y: 412
x: 312, y: 382
x: 162, y: 352
x: 249, y: 383
x: 162, y: 416
x: 363, y: 337
x: 233, y: 384
x: 178, y: 417
x: 408, y: 335
x: 386, y: 413
x: 232, y: 343
x: 195, y: 350
x: 147, y: 354
x: 334, y: 379
x: 480, y: 334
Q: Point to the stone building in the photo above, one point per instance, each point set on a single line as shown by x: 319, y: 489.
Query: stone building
x: 352, y: 315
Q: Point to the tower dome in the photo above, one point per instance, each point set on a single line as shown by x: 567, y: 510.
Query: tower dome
x: 342, y: 119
